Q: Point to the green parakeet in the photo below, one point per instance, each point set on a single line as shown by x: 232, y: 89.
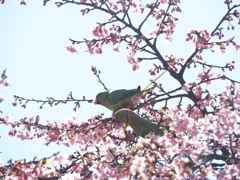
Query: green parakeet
x: 141, y: 126
x: 117, y: 99
x: 122, y: 98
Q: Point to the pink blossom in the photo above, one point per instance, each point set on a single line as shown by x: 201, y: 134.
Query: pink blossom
x: 137, y: 7
x: 116, y: 49
x: 71, y: 176
x: 3, y: 83
x: 84, y: 11
x: 99, y: 31
x: 98, y: 51
x: 136, y: 100
x: 228, y: 1
x: 48, y: 173
x: 113, y: 6
x: 199, y: 45
x: 59, y: 160
x: 198, y: 92
x: 181, y: 123
x: 205, y: 77
x: 7, y: 117
x: 23, y: 3
x: 138, y: 165
x: 151, y: 72
x: 1, y: 97
x: 130, y: 59
x: 96, y: 32
x: 70, y: 49
x: 135, y: 67
x: 237, y: 47
x: 186, y: 87
x: 91, y: 50
x: 95, y: 101
x: 72, y: 120
x: 222, y: 53
x: 95, y: 49
x: 37, y: 172
x: 167, y: 39
x: 172, y: 25
x: 153, y: 34
x: 199, y: 57
x: 164, y: 1
x: 207, y: 34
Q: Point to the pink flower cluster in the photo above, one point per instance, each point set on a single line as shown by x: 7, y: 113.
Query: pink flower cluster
x: 205, y: 77
x: 112, y: 35
x: 136, y: 100
x: 138, y: 7
x: 167, y: 26
x: 200, y: 39
x: 105, y: 36
x: 131, y: 51
x: 178, y: 153
x: 3, y: 82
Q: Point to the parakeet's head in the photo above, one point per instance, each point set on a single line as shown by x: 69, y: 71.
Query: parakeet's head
x: 101, y: 97
x: 122, y: 115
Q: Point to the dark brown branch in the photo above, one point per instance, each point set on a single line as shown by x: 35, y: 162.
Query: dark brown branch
x: 51, y: 101
x: 151, y: 10
x: 172, y: 97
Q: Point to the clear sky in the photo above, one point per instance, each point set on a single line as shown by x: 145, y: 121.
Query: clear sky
x: 32, y: 40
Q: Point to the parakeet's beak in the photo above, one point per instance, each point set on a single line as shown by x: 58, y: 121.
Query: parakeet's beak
x: 96, y: 101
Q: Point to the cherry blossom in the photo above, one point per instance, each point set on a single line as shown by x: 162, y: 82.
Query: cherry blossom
x: 71, y: 49
x: 1, y: 97
x: 237, y: 47
x: 137, y: 7
x: 185, y: 87
x: 154, y: 34
x: 202, y: 134
x: 136, y: 100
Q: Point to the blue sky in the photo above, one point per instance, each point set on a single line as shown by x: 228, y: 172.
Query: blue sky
x: 32, y: 40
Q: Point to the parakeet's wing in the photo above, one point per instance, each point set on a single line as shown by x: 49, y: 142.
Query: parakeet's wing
x: 126, y: 116
x: 118, y: 95
x: 141, y: 126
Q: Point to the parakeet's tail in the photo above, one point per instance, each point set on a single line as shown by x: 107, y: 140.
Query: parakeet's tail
x: 146, y: 88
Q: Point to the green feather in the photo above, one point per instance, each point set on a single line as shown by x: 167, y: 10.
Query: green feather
x: 122, y: 94
x: 121, y: 98
x: 141, y: 126
x: 117, y: 99
x: 101, y: 98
